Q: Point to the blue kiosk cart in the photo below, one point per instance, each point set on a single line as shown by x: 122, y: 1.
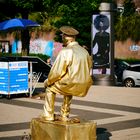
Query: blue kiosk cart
x: 13, y: 77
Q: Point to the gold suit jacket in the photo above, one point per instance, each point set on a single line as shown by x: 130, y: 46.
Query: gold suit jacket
x: 70, y: 73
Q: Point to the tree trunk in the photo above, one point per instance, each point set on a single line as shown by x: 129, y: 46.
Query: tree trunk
x: 25, y: 37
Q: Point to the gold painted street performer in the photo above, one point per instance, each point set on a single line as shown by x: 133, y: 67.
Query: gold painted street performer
x: 69, y: 75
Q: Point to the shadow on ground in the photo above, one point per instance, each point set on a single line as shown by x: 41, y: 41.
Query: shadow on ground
x: 103, y: 134
x: 37, y: 93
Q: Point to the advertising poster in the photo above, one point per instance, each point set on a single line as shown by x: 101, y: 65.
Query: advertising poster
x: 101, y: 44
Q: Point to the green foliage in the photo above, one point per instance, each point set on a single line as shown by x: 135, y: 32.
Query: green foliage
x: 129, y: 8
x: 130, y: 60
x: 8, y: 54
x: 78, y: 14
x: 56, y: 13
x: 135, y: 28
x: 23, y: 3
x: 128, y: 27
x: 42, y: 56
x: 109, y: 1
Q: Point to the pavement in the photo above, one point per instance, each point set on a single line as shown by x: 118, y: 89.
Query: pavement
x: 116, y: 110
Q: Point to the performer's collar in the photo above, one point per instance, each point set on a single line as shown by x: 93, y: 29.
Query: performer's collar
x: 72, y: 44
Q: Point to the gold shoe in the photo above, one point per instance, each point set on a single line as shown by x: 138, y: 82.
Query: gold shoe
x: 58, y: 117
x: 47, y: 118
x: 65, y: 119
x: 71, y: 120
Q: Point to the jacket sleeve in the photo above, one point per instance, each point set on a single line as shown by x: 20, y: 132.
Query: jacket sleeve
x: 58, y: 69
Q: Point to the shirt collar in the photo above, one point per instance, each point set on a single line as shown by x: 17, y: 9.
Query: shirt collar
x: 73, y: 44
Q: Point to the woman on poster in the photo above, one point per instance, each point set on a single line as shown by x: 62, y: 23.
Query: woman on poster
x: 101, y: 38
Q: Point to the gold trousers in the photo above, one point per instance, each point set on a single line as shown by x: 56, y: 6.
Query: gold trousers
x: 50, y: 101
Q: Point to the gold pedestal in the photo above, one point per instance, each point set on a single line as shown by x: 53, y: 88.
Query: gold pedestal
x: 57, y: 130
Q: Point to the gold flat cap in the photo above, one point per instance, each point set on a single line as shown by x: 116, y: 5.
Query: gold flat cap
x: 69, y: 30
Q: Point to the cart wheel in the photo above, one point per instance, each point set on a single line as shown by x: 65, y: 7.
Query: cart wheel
x: 1, y: 96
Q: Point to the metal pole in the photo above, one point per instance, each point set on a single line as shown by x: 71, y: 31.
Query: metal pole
x: 31, y: 82
x: 112, y: 76
x: 8, y: 96
x: 107, y: 8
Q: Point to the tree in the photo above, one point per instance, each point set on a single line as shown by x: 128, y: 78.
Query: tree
x: 79, y: 15
x: 127, y: 25
x: 75, y: 13
x: 60, y: 12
